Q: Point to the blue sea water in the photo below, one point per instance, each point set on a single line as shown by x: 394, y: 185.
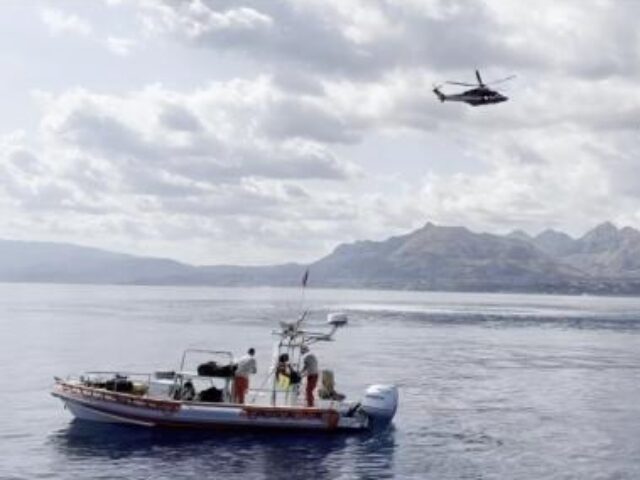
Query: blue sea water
x: 491, y: 386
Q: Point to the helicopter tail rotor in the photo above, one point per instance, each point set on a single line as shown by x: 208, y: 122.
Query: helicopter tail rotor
x: 441, y: 96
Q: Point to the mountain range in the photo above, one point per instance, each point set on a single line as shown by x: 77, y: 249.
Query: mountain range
x: 605, y: 260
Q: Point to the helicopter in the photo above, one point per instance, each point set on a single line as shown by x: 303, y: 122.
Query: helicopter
x: 480, y: 95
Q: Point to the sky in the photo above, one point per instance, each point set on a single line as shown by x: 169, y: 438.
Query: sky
x: 259, y: 132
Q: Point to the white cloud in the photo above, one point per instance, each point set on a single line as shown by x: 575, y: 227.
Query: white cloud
x: 59, y: 22
x: 269, y: 157
x: 215, y: 134
x: 183, y: 162
x: 351, y: 38
x: 119, y: 46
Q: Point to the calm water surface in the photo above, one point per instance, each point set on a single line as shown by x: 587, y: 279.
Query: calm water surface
x: 492, y: 386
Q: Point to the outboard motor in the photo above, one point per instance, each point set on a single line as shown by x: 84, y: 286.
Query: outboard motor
x: 380, y: 403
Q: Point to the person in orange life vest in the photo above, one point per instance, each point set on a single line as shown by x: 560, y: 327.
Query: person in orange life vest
x: 246, y: 366
x: 310, y: 370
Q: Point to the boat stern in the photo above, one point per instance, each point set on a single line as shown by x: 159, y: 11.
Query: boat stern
x: 380, y: 403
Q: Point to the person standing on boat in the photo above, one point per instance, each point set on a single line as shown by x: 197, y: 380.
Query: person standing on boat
x: 310, y: 370
x: 283, y: 371
x: 246, y: 366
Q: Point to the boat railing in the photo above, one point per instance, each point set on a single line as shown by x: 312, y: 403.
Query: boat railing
x: 118, y: 373
x: 286, y: 397
x: 270, y: 390
x: 181, y: 376
x: 188, y: 351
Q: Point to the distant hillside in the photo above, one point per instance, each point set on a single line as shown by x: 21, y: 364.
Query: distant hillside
x: 65, y: 263
x: 605, y: 260
x: 554, y: 243
x: 605, y: 251
x: 48, y: 262
x: 444, y: 258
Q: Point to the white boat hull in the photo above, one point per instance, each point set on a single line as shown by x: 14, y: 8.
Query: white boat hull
x: 98, y: 405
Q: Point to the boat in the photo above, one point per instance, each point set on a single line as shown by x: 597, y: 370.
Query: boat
x: 202, y: 398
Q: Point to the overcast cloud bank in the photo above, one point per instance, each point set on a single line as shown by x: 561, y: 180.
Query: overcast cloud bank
x: 259, y: 132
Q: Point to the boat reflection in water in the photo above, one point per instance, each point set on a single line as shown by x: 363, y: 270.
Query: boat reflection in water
x: 224, y: 455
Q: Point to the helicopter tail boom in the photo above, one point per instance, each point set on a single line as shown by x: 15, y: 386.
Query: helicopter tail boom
x: 439, y: 94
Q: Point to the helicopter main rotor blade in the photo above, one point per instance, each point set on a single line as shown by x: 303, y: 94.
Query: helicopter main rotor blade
x: 510, y: 77
x: 479, y: 78
x: 462, y: 84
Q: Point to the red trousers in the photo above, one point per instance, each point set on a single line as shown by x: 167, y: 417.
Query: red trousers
x: 240, y: 387
x: 312, y: 381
